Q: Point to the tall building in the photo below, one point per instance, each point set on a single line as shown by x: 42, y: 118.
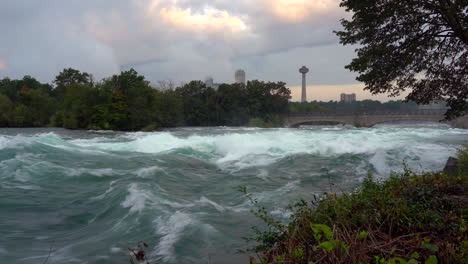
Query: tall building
x: 347, y: 98
x: 209, y: 82
x: 304, y: 70
x: 240, y: 76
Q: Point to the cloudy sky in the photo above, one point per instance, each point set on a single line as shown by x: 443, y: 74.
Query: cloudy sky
x: 181, y: 40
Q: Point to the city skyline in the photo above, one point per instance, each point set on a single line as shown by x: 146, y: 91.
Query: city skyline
x: 321, y: 92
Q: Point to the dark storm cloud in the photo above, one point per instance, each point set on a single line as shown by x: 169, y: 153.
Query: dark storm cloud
x: 167, y: 39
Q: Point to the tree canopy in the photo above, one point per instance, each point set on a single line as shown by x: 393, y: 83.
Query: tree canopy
x: 412, y: 44
x: 128, y: 102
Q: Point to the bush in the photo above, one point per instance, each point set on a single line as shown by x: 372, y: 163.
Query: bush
x: 463, y: 160
x: 408, y: 218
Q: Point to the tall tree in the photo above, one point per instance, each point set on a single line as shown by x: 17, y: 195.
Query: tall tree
x: 421, y: 45
x: 69, y: 77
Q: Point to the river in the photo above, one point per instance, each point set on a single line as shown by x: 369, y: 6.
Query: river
x: 89, y: 195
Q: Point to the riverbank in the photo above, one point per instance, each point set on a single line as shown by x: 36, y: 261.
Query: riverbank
x: 408, y: 218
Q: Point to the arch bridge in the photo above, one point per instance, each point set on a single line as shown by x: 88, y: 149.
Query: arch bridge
x: 369, y: 119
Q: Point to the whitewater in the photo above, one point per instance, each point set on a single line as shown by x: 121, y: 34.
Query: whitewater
x: 86, y: 196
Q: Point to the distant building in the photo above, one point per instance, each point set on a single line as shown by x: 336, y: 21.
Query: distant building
x: 240, y: 76
x: 347, y: 98
x: 209, y: 82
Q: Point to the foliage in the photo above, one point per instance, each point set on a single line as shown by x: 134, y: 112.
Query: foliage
x: 408, y: 218
x: 25, y: 103
x: 463, y: 159
x: 269, y: 122
x: 412, y: 44
x: 295, y: 107
x: 6, y: 108
x: 128, y: 102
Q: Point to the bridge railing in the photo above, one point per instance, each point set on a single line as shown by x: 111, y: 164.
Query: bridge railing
x: 422, y: 112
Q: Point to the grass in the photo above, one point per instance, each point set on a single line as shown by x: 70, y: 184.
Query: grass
x: 408, y: 218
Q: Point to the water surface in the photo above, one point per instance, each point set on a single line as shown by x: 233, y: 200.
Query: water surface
x: 90, y: 194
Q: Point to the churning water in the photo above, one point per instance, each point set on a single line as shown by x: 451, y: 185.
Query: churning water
x: 91, y: 194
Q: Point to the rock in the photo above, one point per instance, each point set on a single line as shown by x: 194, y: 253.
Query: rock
x: 451, y: 167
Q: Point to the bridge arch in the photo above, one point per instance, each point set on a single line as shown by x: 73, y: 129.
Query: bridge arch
x: 368, y: 119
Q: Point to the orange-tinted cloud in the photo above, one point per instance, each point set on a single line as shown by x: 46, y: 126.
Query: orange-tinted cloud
x: 210, y: 20
x: 295, y: 11
x: 3, y: 65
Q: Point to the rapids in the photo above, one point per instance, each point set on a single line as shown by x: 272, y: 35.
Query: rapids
x: 91, y: 194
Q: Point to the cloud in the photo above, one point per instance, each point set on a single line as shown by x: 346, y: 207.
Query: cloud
x: 180, y: 40
x: 299, y: 10
x: 3, y: 65
x: 210, y: 20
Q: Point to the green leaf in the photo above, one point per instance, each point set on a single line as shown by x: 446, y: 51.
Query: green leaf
x: 431, y: 247
x: 328, y: 245
x: 326, y: 230
x: 363, y: 234
x: 432, y: 260
x: 400, y: 261
x: 298, y: 253
x: 415, y: 255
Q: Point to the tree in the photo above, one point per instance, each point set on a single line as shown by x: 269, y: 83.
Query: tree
x: 69, y: 77
x: 411, y: 44
x: 6, y: 107
x: 267, y: 99
x: 231, y: 105
x: 199, y: 104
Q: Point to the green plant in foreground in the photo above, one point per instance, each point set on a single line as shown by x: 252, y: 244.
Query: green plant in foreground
x: 408, y: 218
x: 463, y: 160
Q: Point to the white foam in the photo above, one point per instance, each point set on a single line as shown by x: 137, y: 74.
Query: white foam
x: 135, y: 199
x: 171, y: 230
x: 94, y: 172
x: 139, y: 198
x: 115, y: 250
x: 109, y: 190
x: 235, y: 151
x: 278, y: 193
x: 147, y: 172
x: 283, y: 213
x: 206, y: 201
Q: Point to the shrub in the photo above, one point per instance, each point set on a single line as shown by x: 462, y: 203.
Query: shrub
x: 463, y: 160
x: 408, y: 218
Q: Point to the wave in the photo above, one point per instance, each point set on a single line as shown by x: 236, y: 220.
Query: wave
x: 245, y: 148
x: 236, y: 151
x: 171, y: 230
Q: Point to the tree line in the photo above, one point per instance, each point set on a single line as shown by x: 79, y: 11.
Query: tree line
x: 128, y: 102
